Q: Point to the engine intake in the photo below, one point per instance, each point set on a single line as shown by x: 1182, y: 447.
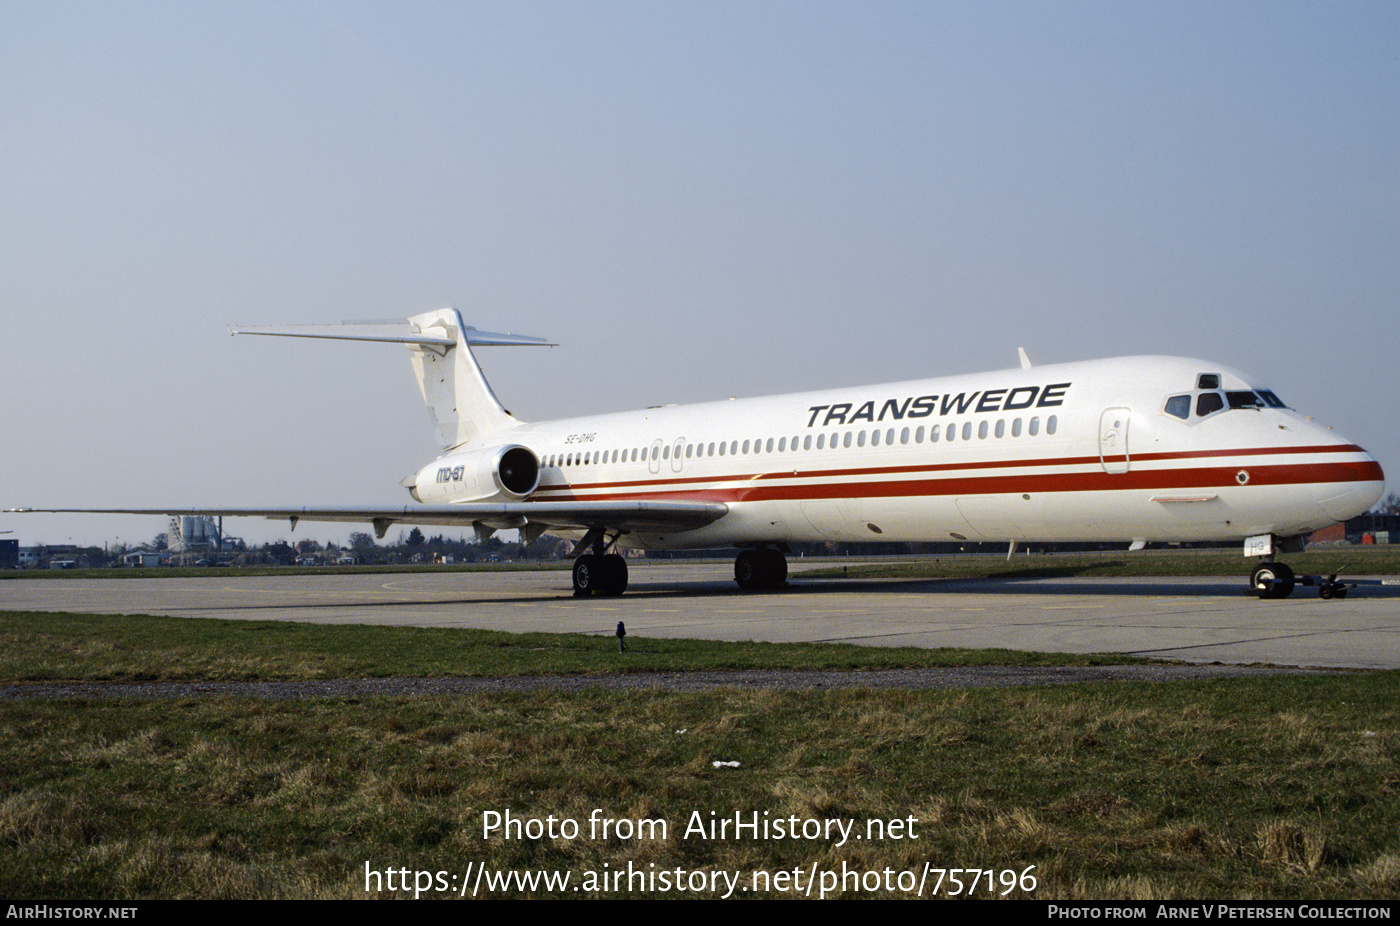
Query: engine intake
x: 518, y: 472
x: 509, y: 473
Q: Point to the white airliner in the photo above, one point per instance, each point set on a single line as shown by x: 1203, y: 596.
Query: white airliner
x: 1136, y: 449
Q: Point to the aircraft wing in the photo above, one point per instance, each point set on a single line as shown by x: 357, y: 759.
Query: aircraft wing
x: 534, y: 517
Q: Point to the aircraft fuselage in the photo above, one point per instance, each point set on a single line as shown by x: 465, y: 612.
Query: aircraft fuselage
x: 1078, y: 451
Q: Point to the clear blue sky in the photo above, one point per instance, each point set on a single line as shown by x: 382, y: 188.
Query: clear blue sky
x: 696, y: 200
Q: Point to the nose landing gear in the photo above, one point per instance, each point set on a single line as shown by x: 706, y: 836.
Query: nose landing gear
x: 1275, y: 580
x: 1272, y: 580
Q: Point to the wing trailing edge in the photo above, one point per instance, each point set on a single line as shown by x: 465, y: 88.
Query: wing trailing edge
x: 534, y: 517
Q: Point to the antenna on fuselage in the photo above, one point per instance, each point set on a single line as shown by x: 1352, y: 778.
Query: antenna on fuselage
x: 1025, y: 361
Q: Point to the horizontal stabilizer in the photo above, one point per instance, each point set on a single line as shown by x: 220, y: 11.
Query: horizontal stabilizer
x: 398, y: 333
x: 460, y: 401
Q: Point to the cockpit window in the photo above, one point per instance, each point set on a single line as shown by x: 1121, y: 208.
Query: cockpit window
x: 1180, y: 406
x: 1208, y: 381
x: 1208, y: 403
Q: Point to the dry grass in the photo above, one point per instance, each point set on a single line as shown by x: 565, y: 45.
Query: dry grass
x: 1278, y: 788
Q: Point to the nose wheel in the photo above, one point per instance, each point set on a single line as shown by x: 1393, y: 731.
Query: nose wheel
x: 1272, y: 580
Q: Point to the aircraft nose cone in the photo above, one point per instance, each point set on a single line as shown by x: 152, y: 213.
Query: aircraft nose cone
x: 1342, y: 500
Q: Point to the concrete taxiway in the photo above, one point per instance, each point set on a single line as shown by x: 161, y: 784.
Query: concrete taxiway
x: 1191, y: 619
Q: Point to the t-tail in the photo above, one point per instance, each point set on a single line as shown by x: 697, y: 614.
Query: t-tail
x: 459, y: 399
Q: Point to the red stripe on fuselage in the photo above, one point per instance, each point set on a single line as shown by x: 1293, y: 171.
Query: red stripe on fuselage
x: 1204, y: 477
x: 719, y: 488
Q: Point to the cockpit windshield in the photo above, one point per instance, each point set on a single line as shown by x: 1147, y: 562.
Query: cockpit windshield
x: 1208, y: 399
x: 1243, y: 399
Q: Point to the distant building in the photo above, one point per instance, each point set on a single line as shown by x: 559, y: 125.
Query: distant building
x: 192, y: 532
x: 1337, y: 533
x: 1373, y: 528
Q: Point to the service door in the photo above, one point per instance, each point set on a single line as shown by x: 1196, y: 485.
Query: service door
x: 1113, y: 439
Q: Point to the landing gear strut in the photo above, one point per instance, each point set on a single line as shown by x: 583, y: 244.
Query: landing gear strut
x: 599, y: 573
x: 762, y: 568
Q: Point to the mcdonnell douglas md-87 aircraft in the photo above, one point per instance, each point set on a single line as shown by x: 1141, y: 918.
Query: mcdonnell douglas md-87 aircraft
x: 1137, y: 449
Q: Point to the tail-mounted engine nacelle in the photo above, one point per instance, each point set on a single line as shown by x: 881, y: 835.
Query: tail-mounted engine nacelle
x: 510, y: 473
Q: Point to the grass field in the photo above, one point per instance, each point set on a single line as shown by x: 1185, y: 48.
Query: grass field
x: 1262, y: 788
x: 44, y: 646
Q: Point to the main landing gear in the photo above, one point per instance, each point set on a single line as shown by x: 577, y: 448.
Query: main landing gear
x: 761, y: 568
x: 597, y: 572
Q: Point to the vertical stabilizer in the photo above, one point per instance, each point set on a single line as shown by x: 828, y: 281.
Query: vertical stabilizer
x: 458, y: 397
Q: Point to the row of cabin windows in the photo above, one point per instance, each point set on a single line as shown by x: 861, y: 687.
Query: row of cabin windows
x: 838, y: 440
